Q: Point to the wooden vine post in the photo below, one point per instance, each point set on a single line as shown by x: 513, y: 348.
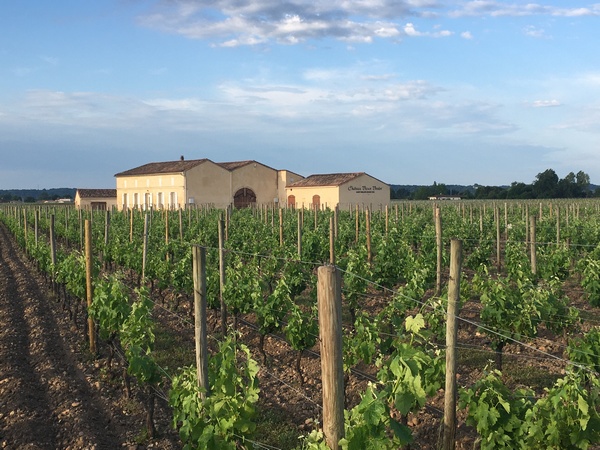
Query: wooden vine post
x: 451, y: 333
x: 498, y: 255
x: 557, y: 225
x: 36, y: 219
x: 280, y: 227
x: 299, y: 234
x: 88, y: 284
x: 331, y: 241
x: 145, y: 247
x: 222, y: 275
x: 200, y: 332
x: 368, y: 233
x: 329, y: 299
x: 438, y: 239
x: 532, y: 244
x: 357, y: 225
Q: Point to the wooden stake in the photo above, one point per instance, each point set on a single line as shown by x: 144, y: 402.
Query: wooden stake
x: 299, y: 235
x: 329, y: 298
x: 145, y: 247
x: 222, y: 276
x: 533, y: 245
x: 200, y: 332
x: 451, y: 333
x: 88, y: 284
x: 438, y: 239
x: 331, y: 242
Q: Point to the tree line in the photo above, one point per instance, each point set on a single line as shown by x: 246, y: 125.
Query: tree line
x: 547, y: 184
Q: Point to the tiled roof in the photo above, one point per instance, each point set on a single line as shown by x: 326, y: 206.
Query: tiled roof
x: 329, y: 179
x: 95, y: 193
x: 232, y: 165
x: 163, y: 167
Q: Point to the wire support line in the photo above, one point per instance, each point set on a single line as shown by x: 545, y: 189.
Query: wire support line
x: 256, y: 444
x: 289, y: 386
x: 516, y: 341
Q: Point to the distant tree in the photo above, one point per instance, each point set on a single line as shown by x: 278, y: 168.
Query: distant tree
x: 519, y: 191
x: 546, y: 184
x: 29, y: 199
x: 583, y: 181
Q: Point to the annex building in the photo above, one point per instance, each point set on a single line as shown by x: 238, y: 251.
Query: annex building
x: 186, y: 183
x: 344, y: 190
x: 96, y: 199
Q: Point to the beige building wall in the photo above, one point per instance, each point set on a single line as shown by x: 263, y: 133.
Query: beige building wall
x: 162, y: 191
x: 365, y: 191
x: 262, y: 180
x: 285, y: 177
x: 320, y: 196
x: 88, y: 202
x: 209, y: 183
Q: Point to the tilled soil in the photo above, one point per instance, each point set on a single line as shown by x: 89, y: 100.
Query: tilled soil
x: 50, y: 393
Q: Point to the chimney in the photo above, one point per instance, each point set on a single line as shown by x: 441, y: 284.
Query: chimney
x: 181, y: 158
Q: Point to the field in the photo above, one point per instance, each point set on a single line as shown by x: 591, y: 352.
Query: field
x: 527, y: 348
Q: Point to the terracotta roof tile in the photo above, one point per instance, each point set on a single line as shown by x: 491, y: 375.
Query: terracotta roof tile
x: 163, y: 167
x: 232, y: 165
x: 93, y: 193
x: 330, y: 179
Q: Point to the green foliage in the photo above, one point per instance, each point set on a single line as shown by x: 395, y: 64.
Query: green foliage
x: 137, y: 339
x: 302, y: 329
x: 110, y: 306
x: 589, y: 268
x: 567, y: 417
x: 497, y: 413
x: 225, y: 417
x: 585, y: 351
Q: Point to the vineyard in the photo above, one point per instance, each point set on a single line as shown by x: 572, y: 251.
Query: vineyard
x: 216, y: 317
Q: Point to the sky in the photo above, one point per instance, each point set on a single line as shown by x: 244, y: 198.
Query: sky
x: 410, y: 91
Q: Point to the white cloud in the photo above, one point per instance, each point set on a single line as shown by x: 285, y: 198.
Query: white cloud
x: 466, y: 35
x: 534, y: 32
x: 499, y: 9
x: 545, y: 103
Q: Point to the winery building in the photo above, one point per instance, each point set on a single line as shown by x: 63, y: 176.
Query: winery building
x: 344, y: 190
x: 96, y: 199
x: 185, y: 183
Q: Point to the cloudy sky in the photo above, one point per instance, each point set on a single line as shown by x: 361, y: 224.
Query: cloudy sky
x: 409, y: 91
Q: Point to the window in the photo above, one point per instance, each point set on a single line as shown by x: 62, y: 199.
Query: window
x: 173, y: 200
x: 160, y: 200
x: 136, y: 200
x: 125, y: 201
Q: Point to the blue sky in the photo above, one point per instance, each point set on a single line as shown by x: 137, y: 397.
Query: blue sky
x: 409, y: 91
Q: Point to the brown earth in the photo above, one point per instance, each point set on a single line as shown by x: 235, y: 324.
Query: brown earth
x: 52, y: 394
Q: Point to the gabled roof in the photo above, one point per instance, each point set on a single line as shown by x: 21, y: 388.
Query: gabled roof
x: 163, y: 167
x: 232, y: 165
x: 95, y: 193
x: 329, y: 179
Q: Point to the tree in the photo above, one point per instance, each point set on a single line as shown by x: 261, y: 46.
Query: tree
x: 546, y: 184
x: 583, y: 181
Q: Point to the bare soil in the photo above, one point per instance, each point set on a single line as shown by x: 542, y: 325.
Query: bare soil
x: 52, y: 393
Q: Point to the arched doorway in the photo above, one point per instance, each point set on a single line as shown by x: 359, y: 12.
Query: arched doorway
x: 291, y: 201
x: 244, y: 198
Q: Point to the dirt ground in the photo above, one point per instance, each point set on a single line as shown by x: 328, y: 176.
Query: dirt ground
x: 52, y: 394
